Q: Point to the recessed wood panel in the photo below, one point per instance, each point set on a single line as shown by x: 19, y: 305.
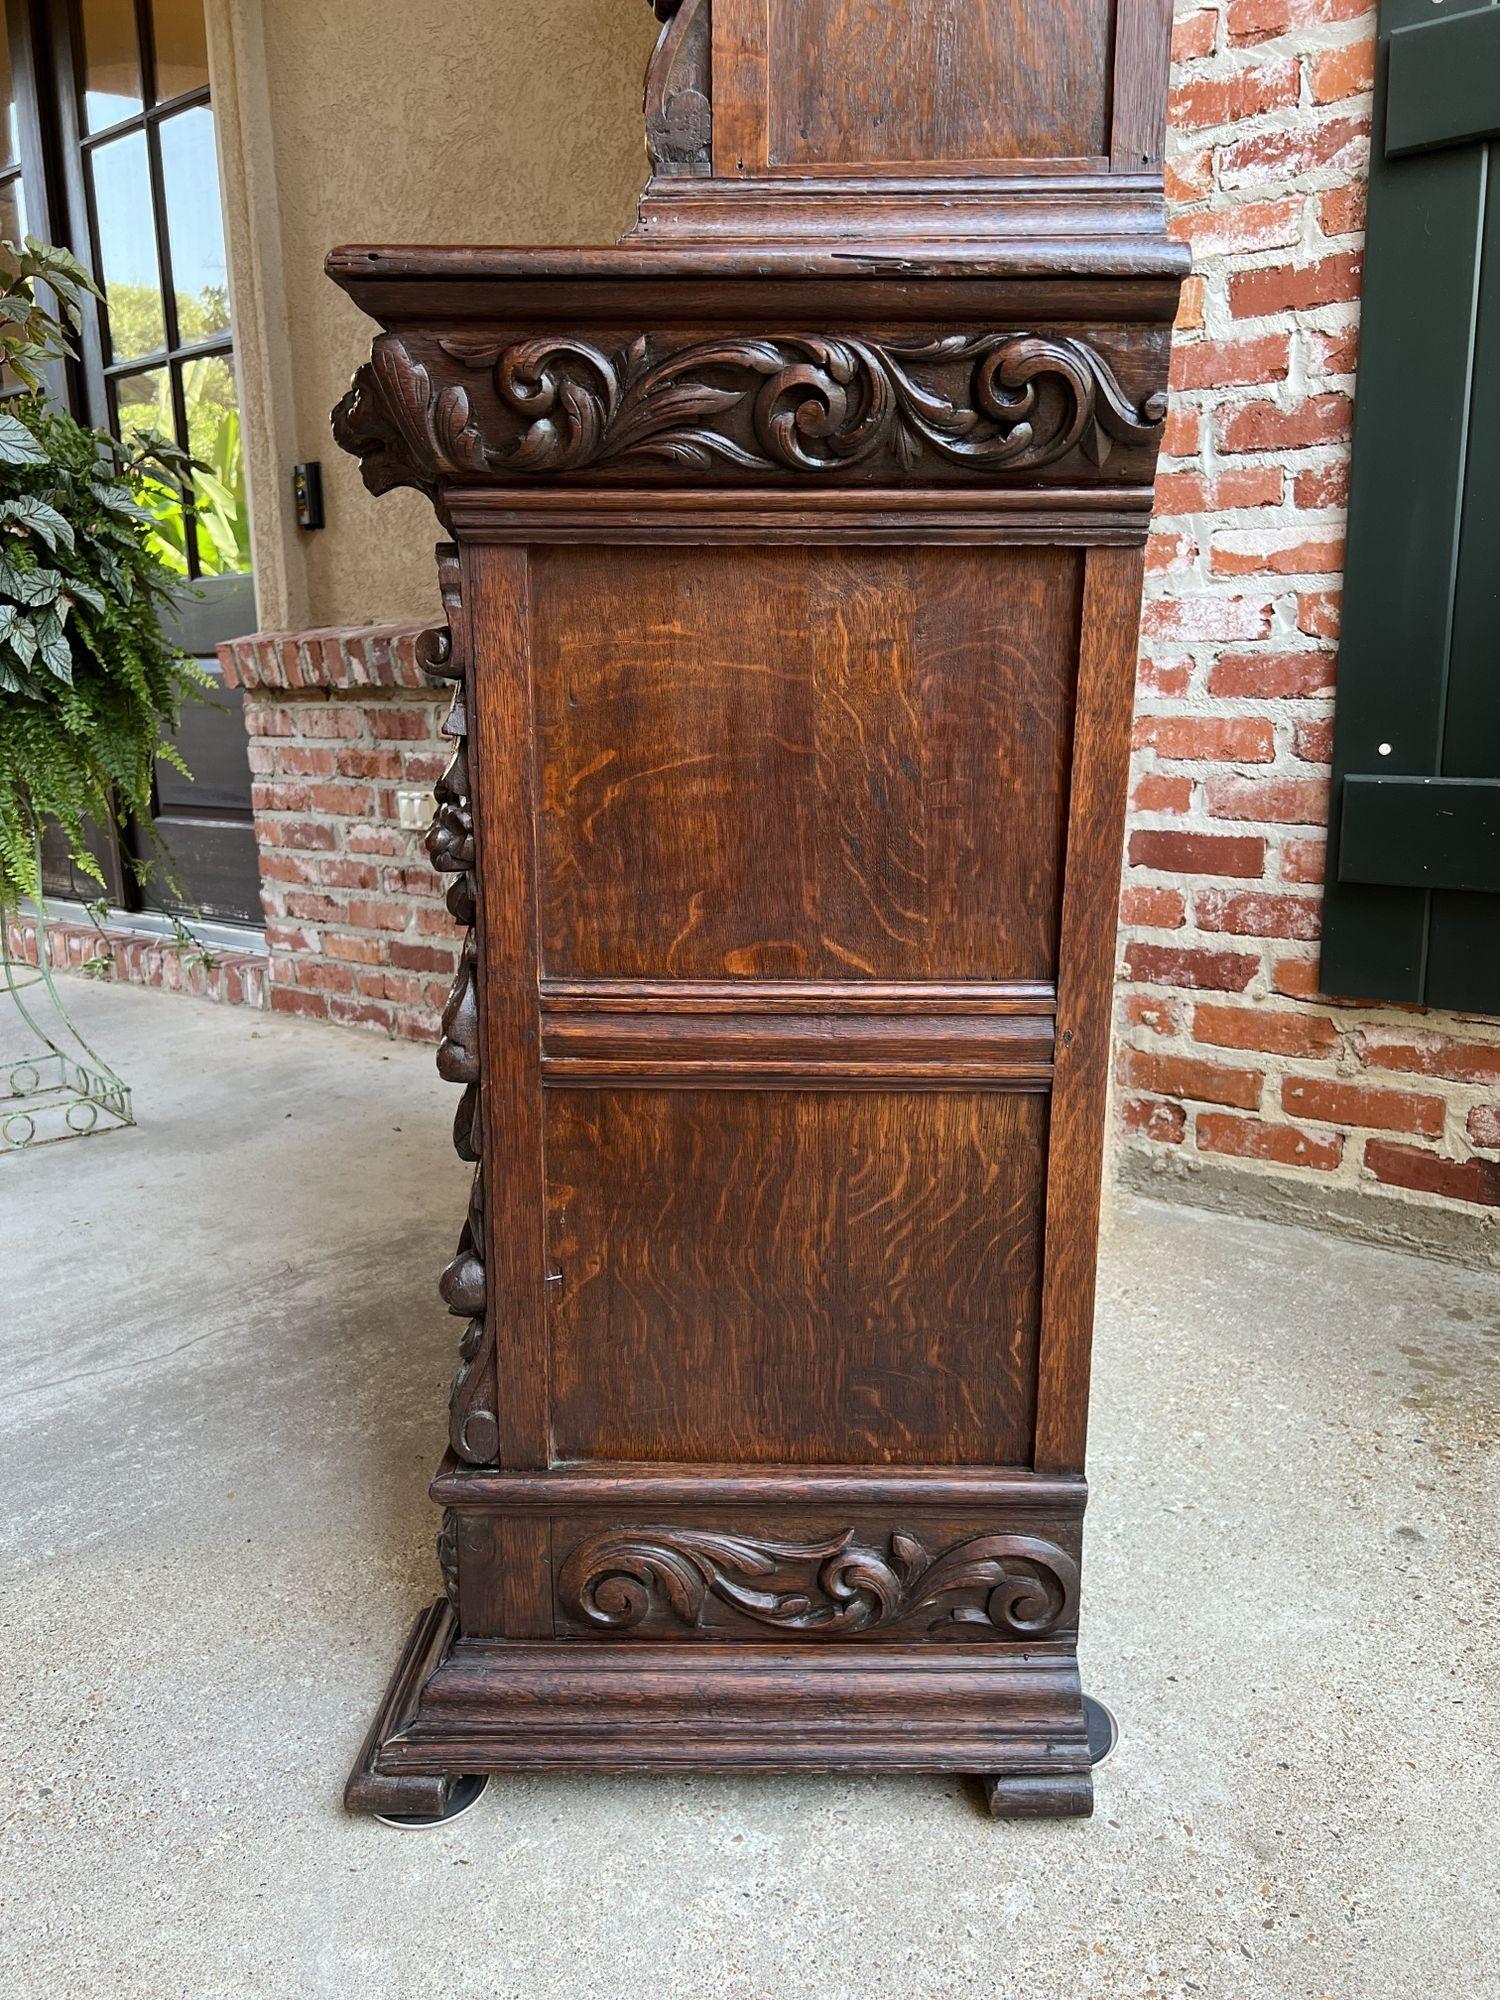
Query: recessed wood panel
x: 802, y: 764
x: 794, y: 1277
x: 867, y: 82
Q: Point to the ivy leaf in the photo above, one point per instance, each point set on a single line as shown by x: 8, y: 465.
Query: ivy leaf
x: 29, y: 586
x: 50, y: 260
x: 116, y: 576
x: 52, y: 645
x: 42, y: 520
x: 17, y: 445
x: 83, y: 593
x: 111, y: 495
x: 23, y: 641
x: 119, y: 500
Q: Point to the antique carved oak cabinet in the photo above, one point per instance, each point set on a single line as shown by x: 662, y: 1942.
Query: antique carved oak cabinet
x: 793, y: 588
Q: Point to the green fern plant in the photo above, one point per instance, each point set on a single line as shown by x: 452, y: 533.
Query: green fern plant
x: 90, y: 691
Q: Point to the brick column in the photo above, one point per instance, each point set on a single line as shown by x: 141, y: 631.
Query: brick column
x: 340, y: 720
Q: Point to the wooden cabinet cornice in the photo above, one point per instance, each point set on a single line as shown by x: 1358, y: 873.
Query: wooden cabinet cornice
x: 792, y: 593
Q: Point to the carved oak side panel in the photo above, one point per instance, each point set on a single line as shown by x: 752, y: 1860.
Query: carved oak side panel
x: 670, y: 1580
x: 473, y: 1425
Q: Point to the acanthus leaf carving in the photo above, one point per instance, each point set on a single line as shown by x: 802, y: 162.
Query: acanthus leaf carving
x: 999, y: 1586
x: 994, y: 403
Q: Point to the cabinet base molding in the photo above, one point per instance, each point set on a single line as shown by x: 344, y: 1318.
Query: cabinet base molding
x: 1012, y: 1716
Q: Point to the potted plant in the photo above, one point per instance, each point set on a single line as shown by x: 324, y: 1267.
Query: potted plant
x: 90, y: 690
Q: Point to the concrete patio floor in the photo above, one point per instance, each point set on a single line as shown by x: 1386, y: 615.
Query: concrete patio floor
x: 223, y: 1368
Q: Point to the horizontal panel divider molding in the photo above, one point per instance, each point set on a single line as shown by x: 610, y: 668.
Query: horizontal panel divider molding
x: 582, y: 1488
x: 675, y: 1038
x: 804, y: 1051
x: 1102, y: 516
x: 566, y: 998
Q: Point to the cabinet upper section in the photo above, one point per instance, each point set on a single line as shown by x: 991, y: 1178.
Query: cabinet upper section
x: 892, y: 120
x: 748, y: 87
x: 886, y: 244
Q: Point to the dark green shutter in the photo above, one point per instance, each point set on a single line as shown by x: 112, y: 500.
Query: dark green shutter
x: 1412, y: 908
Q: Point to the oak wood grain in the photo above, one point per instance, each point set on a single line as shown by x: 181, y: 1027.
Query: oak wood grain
x: 966, y: 81
x: 1002, y: 517
x: 1140, y: 88
x: 748, y: 999
x: 779, y: 765
x: 741, y: 81
x: 496, y: 594
x: 581, y: 1705
x: 817, y: 1277
x: 1101, y: 759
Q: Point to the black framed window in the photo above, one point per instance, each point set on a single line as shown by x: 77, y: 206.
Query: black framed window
x: 25, y: 206
x: 13, y: 222
x: 165, y: 354
x: 115, y: 159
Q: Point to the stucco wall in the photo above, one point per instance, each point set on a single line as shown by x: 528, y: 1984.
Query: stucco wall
x: 463, y: 121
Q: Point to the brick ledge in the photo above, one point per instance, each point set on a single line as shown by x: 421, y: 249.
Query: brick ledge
x: 329, y: 656
x: 143, y: 958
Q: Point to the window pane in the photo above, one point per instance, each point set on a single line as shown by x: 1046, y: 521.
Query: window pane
x: 127, y: 247
x: 111, y: 63
x: 181, y: 47
x: 213, y: 413
x: 195, y: 225
x: 12, y: 211
x: 143, y: 406
x: 10, y: 143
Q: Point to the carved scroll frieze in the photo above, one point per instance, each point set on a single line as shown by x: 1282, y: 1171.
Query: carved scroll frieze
x: 999, y: 1586
x: 473, y: 1425
x: 988, y: 406
x: 679, y: 113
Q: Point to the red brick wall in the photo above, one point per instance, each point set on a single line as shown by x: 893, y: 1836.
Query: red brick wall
x: 132, y: 958
x: 338, y: 722
x: 1228, y: 1057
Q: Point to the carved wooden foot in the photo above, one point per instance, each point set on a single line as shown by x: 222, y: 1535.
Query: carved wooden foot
x: 1058, y: 1795
x: 404, y: 1794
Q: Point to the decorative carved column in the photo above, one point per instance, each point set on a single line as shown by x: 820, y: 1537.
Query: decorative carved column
x: 792, y: 617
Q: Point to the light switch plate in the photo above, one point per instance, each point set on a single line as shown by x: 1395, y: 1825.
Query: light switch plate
x: 414, y: 808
